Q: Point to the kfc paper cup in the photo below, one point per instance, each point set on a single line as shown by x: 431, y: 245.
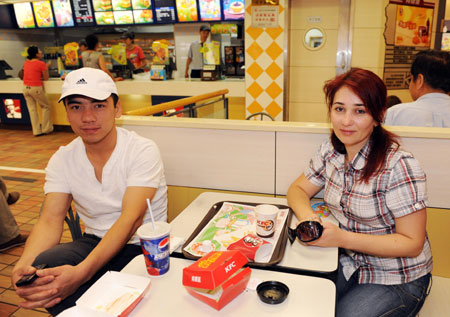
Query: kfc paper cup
x: 266, y: 216
x: 155, y: 246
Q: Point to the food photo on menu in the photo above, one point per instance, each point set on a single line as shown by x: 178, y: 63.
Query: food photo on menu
x: 187, y: 10
x: 104, y: 18
x: 121, y: 5
x: 123, y: 17
x: 102, y: 5
x: 143, y: 16
x: 24, y: 15
x: 141, y: 4
x: 233, y: 9
x: 210, y: 10
x: 43, y: 14
x: 63, y: 13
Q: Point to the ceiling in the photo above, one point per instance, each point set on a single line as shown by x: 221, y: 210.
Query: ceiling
x: 15, y: 1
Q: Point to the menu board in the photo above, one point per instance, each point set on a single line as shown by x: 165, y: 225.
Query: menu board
x: 43, y: 13
x: 165, y: 11
x: 63, y: 13
x: 233, y: 9
x: 24, y: 15
x: 83, y: 12
x: 210, y: 10
x: 187, y: 10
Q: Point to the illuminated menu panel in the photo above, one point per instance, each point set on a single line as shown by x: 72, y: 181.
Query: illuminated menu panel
x: 187, y: 10
x: 24, y: 15
x: 121, y: 5
x: 143, y: 16
x: 233, y: 9
x: 102, y: 5
x: 210, y: 10
x: 43, y: 13
x: 165, y: 11
x: 123, y: 17
x: 104, y: 18
x: 63, y: 13
x: 84, y: 15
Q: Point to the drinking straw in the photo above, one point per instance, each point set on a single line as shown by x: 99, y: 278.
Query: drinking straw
x: 151, y: 214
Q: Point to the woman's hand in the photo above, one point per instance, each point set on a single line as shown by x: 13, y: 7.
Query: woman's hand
x: 332, y: 236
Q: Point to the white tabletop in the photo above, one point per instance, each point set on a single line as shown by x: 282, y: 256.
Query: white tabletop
x: 296, y: 257
x: 308, y: 296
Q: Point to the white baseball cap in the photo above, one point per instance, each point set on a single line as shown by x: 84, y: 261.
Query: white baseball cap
x: 89, y: 82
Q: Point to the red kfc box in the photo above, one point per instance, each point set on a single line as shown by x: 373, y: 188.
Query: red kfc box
x: 217, y: 278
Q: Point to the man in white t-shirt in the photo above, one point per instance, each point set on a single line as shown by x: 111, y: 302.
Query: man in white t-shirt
x: 108, y: 173
x: 429, y: 87
x: 195, y: 54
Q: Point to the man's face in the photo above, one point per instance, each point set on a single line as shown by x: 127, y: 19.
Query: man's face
x: 93, y: 120
x: 204, y: 36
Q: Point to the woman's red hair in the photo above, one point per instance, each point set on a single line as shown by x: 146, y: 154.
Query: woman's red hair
x: 372, y: 91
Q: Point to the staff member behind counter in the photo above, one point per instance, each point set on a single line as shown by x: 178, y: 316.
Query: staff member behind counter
x: 195, y: 57
x: 134, y: 53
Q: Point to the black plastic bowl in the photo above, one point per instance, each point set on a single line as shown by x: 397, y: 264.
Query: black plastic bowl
x: 272, y: 292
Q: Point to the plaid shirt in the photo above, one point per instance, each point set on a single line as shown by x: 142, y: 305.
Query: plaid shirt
x: 398, y: 189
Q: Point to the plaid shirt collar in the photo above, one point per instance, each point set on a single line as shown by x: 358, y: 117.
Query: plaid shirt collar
x: 358, y: 162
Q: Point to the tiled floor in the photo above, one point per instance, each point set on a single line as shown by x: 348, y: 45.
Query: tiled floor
x: 22, y: 160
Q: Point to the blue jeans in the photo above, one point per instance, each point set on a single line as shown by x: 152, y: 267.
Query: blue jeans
x: 368, y: 300
x: 75, y: 252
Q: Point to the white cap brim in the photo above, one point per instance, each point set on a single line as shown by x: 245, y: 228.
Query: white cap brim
x: 91, y: 93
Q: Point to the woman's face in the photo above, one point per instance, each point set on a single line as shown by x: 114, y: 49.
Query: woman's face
x: 351, y: 121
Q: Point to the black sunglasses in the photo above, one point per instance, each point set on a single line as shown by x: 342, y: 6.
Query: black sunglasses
x: 306, y: 231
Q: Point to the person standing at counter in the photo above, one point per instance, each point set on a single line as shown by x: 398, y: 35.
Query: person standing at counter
x: 377, y: 193
x: 93, y: 58
x: 34, y: 72
x: 429, y: 87
x: 195, y: 55
x: 108, y: 172
x: 134, y: 53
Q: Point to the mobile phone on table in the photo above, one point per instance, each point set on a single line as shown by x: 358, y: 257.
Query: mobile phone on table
x: 29, y: 278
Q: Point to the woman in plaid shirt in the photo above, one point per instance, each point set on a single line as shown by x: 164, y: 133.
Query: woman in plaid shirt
x: 377, y: 192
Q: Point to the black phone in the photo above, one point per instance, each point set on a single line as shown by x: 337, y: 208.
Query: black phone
x: 28, y: 279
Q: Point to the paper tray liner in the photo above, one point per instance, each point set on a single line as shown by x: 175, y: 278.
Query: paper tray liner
x: 280, y: 246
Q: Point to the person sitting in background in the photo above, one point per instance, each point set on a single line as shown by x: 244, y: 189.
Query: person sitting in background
x: 377, y: 193
x: 108, y: 172
x: 429, y: 87
x: 393, y: 100
x: 93, y: 58
x: 134, y: 53
x: 34, y: 72
x: 10, y: 235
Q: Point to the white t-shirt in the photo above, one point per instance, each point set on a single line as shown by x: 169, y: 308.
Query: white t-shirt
x: 195, y: 55
x: 135, y: 161
x: 429, y: 110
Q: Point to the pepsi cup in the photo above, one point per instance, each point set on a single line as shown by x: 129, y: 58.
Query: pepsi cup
x: 156, y: 247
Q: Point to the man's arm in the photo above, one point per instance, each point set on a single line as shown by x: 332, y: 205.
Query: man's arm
x: 188, y: 62
x: 68, y: 278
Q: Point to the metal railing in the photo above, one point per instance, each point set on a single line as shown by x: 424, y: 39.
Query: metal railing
x: 191, y: 104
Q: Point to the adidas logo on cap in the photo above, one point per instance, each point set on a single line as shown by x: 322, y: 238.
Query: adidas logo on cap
x: 81, y: 81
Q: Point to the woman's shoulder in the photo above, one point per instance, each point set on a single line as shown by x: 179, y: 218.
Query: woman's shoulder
x: 396, y: 154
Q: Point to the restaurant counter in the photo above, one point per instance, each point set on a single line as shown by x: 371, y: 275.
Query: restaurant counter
x: 136, y: 93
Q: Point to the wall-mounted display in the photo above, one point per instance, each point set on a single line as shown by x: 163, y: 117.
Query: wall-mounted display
x: 187, y: 10
x: 84, y: 15
x: 24, y: 15
x: 104, y: 18
x: 63, y: 13
x: 143, y: 16
x: 233, y: 9
x: 210, y: 10
x: 43, y: 13
x: 165, y: 11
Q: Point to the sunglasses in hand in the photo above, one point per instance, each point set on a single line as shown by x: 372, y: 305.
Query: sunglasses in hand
x: 306, y: 231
